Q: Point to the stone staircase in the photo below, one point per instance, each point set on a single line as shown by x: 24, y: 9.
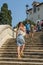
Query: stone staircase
x: 33, y: 53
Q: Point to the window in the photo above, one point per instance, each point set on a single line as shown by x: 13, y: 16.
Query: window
x: 34, y: 8
x: 38, y: 9
x: 38, y: 16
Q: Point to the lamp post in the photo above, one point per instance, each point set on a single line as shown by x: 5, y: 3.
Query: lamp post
x: 13, y: 32
x: 27, y: 12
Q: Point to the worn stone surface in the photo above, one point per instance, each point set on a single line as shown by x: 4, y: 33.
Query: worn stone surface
x: 33, y: 53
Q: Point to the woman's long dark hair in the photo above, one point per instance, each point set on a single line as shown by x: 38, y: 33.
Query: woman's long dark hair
x: 19, y: 24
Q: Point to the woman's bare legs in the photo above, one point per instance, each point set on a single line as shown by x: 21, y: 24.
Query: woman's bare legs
x: 22, y: 49
x: 18, y: 50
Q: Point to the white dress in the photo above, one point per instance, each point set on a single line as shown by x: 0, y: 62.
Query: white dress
x: 20, y: 38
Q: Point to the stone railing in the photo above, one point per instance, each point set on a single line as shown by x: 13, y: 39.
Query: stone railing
x: 6, y: 32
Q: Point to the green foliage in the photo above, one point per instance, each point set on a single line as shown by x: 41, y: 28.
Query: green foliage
x: 25, y: 21
x: 31, y: 22
x: 5, y: 15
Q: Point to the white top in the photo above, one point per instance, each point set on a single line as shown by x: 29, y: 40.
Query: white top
x: 21, y: 32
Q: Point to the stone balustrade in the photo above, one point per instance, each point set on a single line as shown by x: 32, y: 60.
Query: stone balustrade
x: 6, y: 32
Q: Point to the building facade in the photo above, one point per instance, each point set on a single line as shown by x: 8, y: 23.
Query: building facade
x: 36, y: 13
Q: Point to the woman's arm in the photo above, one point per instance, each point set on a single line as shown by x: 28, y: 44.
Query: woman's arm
x: 22, y: 28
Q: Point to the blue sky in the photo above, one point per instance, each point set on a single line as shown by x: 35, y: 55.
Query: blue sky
x: 18, y: 9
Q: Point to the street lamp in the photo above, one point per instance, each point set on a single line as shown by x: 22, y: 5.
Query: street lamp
x: 13, y: 32
x: 27, y: 12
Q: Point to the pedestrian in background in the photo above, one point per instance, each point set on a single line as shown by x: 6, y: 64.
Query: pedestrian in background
x: 28, y: 28
x: 32, y: 31
x: 38, y: 26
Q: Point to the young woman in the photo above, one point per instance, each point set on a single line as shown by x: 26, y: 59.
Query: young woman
x: 20, y: 39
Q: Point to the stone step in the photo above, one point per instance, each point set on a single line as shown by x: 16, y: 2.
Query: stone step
x: 34, y: 48
x: 17, y: 64
x: 34, y: 42
x: 8, y: 47
x: 39, y: 56
x: 25, y: 44
x: 37, y: 45
x: 41, y: 45
x: 15, y: 49
x: 29, y: 50
x: 20, y: 63
x: 31, y: 43
x: 25, y: 53
x: 26, y: 48
x: 22, y: 59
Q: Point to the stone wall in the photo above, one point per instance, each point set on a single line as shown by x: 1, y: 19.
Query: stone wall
x: 6, y: 32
